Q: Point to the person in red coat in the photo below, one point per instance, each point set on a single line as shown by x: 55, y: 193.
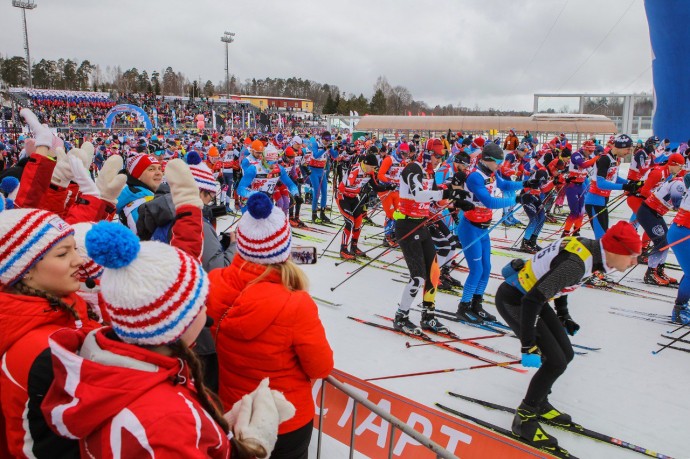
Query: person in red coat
x: 267, y: 324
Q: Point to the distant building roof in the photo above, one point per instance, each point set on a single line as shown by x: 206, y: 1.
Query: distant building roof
x: 541, y: 122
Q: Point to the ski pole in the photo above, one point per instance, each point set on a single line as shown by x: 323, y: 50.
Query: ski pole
x: 674, y: 340
x: 446, y: 370
x: 423, y: 222
x: 589, y: 219
x: 456, y: 340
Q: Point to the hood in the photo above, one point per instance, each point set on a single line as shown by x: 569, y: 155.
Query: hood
x: 19, y: 314
x: 96, y: 377
x: 253, y: 308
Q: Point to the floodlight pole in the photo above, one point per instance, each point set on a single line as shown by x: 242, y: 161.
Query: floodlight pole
x: 227, y: 38
x: 26, y: 5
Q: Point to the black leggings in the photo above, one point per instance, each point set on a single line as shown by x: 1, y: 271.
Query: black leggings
x: 295, y: 444
x: 553, y: 342
x: 420, y: 255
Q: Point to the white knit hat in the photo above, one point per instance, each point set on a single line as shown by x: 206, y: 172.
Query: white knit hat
x: 25, y: 236
x: 263, y: 233
x: 152, y: 291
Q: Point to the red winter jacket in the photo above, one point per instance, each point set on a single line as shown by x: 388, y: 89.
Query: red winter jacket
x: 26, y: 322
x: 121, y: 400
x: 265, y: 330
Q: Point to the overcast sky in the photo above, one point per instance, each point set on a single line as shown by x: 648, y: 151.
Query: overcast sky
x: 494, y: 53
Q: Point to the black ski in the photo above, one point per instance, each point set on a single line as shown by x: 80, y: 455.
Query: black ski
x: 677, y: 348
x: 575, y: 428
x: 559, y: 452
x: 687, y: 341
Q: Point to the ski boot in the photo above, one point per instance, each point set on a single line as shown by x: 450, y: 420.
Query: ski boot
x: 526, y: 246
x: 466, y: 314
x: 565, y: 234
x: 431, y: 323
x: 315, y: 218
x: 345, y: 254
x: 389, y: 241
x: 527, y: 427
x: 598, y: 279
x: 300, y: 223
x: 550, y: 218
x: 479, y: 310
x: 357, y: 252
x: 652, y: 277
x: 662, y: 273
x: 402, y: 323
x: 446, y: 279
x: 533, y: 243
x: 553, y: 415
x: 681, y: 314
x: 294, y: 223
x: 324, y: 219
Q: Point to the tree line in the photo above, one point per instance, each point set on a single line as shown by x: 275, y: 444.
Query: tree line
x: 70, y: 74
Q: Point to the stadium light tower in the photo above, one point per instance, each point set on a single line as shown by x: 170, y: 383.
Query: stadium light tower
x: 227, y: 38
x: 26, y: 5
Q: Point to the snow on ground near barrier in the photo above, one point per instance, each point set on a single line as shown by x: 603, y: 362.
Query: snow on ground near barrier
x: 622, y: 390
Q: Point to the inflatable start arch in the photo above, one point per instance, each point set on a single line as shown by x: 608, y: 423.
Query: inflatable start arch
x: 127, y: 108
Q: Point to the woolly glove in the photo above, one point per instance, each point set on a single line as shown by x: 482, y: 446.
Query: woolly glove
x: 89, y: 149
x: 255, y: 418
x: 42, y: 134
x: 62, y: 174
x: 109, y: 181
x: 183, y: 187
x: 81, y: 177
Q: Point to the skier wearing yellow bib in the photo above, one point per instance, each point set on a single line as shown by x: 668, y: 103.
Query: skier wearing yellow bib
x: 522, y: 300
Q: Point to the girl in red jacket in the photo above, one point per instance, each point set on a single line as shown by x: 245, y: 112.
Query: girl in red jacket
x: 267, y: 324
x: 135, y: 389
x: 39, y: 278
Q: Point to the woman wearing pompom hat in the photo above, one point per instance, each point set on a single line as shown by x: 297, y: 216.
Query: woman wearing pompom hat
x: 39, y: 278
x: 261, y: 308
x: 139, y: 374
x: 522, y: 300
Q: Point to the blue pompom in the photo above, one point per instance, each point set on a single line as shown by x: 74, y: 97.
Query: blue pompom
x: 112, y: 245
x: 193, y: 158
x: 9, y: 184
x: 259, y: 206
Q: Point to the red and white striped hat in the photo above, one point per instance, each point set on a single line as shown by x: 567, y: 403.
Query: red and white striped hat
x: 90, y: 269
x: 136, y: 165
x: 263, y: 233
x: 25, y: 236
x: 152, y: 291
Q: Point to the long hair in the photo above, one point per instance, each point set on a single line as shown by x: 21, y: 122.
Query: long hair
x: 54, y: 301
x: 292, y: 277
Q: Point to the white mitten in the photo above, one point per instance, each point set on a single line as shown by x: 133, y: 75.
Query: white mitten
x: 89, y: 149
x: 82, y: 178
x: 62, y: 174
x: 183, y: 187
x: 42, y: 134
x: 254, y: 420
x: 83, y: 156
x: 109, y: 181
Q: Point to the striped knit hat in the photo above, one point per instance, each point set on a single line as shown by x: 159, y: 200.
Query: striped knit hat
x: 136, y: 165
x: 202, y: 174
x: 263, y: 234
x: 152, y: 291
x: 25, y: 236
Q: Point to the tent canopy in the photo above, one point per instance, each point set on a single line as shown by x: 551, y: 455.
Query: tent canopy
x: 585, y: 124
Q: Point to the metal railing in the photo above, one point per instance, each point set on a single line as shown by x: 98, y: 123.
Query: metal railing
x: 395, y: 423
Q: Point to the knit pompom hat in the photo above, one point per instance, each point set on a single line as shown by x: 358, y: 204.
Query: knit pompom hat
x: 201, y: 172
x: 25, y: 236
x: 152, y: 291
x: 263, y: 233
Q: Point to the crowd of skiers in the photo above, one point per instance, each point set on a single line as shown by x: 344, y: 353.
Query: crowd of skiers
x: 105, y: 324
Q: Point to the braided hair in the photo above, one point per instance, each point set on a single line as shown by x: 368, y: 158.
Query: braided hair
x: 54, y: 301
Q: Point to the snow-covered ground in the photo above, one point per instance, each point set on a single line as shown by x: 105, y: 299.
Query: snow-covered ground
x: 622, y: 390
